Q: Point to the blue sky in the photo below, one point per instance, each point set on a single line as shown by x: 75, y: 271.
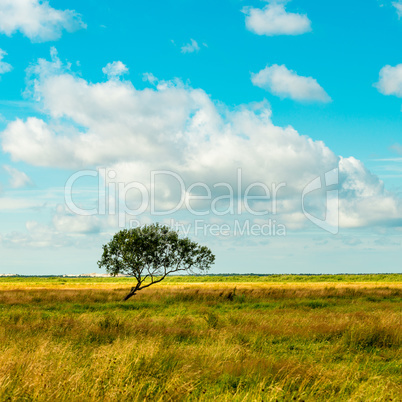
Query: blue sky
x: 283, y: 91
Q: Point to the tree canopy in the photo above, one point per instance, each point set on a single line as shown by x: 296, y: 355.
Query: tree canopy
x: 151, y: 252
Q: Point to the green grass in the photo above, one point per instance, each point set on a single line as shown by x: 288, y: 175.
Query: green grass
x: 186, y: 341
x: 341, y: 278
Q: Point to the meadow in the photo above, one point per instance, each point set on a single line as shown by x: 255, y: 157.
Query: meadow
x: 224, y: 338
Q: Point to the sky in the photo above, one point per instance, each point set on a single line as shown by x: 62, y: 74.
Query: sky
x: 269, y: 131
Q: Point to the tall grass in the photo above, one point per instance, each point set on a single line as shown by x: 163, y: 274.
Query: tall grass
x: 201, y: 342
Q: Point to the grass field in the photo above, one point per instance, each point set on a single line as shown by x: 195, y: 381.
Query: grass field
x: 202, y: 338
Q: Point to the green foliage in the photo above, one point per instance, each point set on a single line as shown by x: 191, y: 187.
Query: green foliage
x: 152, y: 252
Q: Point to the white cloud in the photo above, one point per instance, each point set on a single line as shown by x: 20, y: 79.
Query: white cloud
x: 36, y: 19
x: 65, y: 229
x: 397, y: 148
x: 4, y: 67
x: 390, y: 80
x: 18, y: 179
x: 66, y: 222
x: 363, y: 199
x: 115, y: 69
x: 356, y: 179
x: 287, y: 84
x: 38, y: 235
x: 178, y: 128
x: 17, y: 204
x: 190, y: 47
x: 149, y: 77
x: 171, y: 126
x: 398, y: 6
x: 273, y: 19
x: 34, y: 141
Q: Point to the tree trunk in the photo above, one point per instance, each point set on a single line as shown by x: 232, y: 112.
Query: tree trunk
x: 132, y: 293
x: 129, y: 295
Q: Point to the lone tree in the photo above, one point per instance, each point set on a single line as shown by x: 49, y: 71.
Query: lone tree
x: 152, y: 252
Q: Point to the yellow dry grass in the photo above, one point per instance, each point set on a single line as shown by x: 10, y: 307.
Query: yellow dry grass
x: 201, y: 341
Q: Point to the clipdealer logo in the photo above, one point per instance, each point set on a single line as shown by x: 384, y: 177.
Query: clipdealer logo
x: 112, y: 200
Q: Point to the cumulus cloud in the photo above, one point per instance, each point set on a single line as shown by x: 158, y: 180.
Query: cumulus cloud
x: 398, y: 6
x: 287, y: 84
x: 273, y: 19
x: 390, y: 80
x: 190, y: 47
x: 171, y: 126
x: 18, y: 179
x: 364, y: 200
x: 4, y: 67
x: 115, y: 69
x: 177, y: 128
x: 37, y: 20
x: 356, y: 179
